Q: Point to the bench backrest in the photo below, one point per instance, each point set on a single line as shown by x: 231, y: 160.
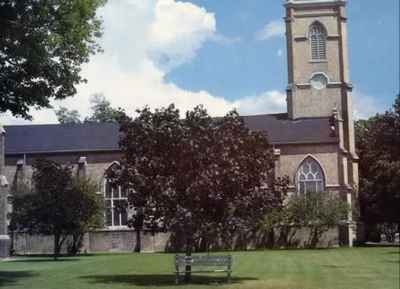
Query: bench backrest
x: 203, y: 260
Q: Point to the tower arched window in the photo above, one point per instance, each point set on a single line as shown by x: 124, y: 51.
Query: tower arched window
x: 318, y: 41
x: 310, y: 177
x: 115, y: 203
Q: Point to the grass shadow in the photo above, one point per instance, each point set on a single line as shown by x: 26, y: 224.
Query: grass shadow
x: 379, y: 245
x: 12, y: 277
x: 393, y: 261
x: 37, y: 260
x: 159, y: 280
x: 335, y: 266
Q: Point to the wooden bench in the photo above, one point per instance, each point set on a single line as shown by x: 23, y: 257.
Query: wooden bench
x: 203, y: 264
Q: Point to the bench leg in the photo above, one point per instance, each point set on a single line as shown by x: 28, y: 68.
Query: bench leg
x: 177, y: 278
x: 229, y: 277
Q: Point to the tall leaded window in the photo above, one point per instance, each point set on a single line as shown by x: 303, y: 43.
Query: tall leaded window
x: 318, y: 41
x: 310, y: 177
x: 115, y: 201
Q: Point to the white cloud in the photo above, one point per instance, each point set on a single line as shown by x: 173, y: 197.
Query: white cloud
x: 143, y: 41
x: 178, y: 31
x: 272, y: 29
x: 267, y: 102
x: 365, y: 106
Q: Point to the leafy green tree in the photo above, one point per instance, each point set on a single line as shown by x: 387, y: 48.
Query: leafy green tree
x: 378, y: 146
x: 318, y: 212
x: 281, y: 227
x: 58, y: 205
x: 66, y: 116
x: 88, y: 209
x: 102, y: 111
x: 198, y: 176
x: 42, y: 45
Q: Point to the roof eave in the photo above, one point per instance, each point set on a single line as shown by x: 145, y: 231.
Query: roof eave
x: 305, y: 142
x: 62, y: 151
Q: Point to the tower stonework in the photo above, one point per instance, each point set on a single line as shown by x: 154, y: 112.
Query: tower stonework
x: 318, y: 80
x: 317, y: 65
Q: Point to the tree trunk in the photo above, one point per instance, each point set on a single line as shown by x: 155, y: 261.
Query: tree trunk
x: 138, y: 246
x: 12, y: 251
x: 271, y: 239
x: 188, y: 268
x: 56, y: 246
x: 76, y: 245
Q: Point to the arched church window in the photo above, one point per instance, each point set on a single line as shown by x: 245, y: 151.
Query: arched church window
x: 310, y: 177
x: 115, y: 201
x: 318, y: 41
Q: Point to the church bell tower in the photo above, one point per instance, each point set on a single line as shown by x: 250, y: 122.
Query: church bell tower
x: 318, y: 77
x: 317, y: 58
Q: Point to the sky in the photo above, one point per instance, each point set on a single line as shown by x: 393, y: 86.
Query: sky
x: 223, y: 54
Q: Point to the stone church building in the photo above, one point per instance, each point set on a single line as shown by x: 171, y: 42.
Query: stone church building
x: 313, y: 142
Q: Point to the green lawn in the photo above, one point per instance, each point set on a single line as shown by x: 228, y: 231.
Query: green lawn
x: 358, y: 268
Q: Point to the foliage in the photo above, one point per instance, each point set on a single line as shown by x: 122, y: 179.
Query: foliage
x: 42, y: 45
x: 88, y: 211
x: 102, y: 110
x: 317, y: 212
x: 389, y: 230
x: 66, y: 116
x: 378, y: 146
x: 59, y: 205
x: 198, y: 176
x: 281, y: 227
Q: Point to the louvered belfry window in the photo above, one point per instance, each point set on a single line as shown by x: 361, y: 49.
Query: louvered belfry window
x: 318, y: 41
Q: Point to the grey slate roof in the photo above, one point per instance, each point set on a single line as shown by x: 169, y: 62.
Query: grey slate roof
x: 282, y: 130
x: 104, y: 137
x: 61, y: 138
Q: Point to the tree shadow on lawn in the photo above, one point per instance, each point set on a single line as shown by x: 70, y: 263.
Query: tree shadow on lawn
x: 160, y: 279
x: 393, y: 261
x: 42, y: 260
x: 335, y: 266
x: 394, y: 252
x: 12, y: 277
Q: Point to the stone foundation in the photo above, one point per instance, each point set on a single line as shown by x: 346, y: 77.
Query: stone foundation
x: 95, y: 241
x: 125, y: 241
x: 5, y: 244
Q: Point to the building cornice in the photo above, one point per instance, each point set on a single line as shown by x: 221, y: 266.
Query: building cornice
x: 313, y: 3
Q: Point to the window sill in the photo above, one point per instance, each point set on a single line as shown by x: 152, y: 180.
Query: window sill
x: 318, y: 61
x: 116, y: 228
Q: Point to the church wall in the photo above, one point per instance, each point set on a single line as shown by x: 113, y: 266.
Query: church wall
x: 124, y: 240
x: 97, y: 163
x: 292, y: 156
x: 121, y: 240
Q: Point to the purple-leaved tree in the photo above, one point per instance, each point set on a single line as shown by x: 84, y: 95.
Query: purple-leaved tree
x: 198, y: 176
